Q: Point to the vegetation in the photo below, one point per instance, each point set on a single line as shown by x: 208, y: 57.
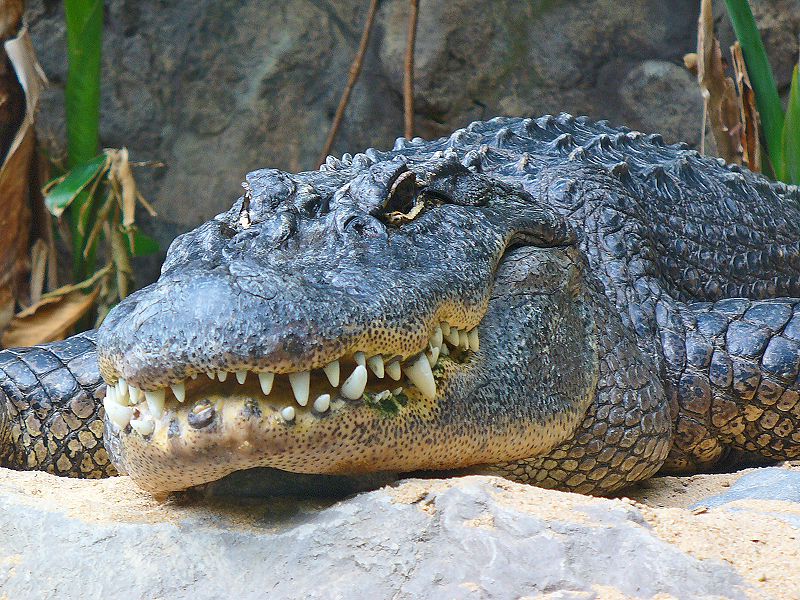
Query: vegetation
x: 781, y: 130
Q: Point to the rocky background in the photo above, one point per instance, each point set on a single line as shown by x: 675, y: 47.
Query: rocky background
x: 215, y: 88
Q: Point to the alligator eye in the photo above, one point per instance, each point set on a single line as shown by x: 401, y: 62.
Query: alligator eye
x: 403, y: 203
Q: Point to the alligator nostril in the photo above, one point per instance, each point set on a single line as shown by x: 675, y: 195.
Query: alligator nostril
x: 201, y: 414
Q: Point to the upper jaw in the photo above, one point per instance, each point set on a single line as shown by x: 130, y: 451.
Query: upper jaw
x: 347, y: 378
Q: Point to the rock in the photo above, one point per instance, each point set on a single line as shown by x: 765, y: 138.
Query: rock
x: 215, y: 89
x: 478, y: 537
x: 657, y: 87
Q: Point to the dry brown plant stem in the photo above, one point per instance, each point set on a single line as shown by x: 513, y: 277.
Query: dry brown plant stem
x: 408, y: 81
x: 355, y: 70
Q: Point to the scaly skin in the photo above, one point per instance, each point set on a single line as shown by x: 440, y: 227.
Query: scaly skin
x: 618, y: 288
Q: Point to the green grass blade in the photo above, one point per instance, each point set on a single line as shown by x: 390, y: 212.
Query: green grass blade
x: 760, y: 72
x: 791, y: 133
x: 82, y: 96
x: 84, y: 44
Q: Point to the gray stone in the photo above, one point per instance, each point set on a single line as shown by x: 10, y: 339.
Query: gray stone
x: 657, y: 87
x: 215, y: 89
x: 473, y: 537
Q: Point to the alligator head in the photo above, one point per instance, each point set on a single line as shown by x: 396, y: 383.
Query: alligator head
x: 385, y: 315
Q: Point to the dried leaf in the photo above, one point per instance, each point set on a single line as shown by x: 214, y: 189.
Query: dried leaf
x: 748, y: 113
x: 39, y: 261
x: 15, y: 194
x: 48, y: 320
x: 121, y: 171
x: 719, y: 92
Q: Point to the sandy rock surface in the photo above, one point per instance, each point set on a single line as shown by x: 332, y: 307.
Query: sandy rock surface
x: 710, y: 536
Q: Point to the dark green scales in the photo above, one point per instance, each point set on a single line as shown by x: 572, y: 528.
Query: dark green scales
x: 594, y: 306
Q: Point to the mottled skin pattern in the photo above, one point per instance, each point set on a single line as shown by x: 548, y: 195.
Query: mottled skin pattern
x: 636, y: 305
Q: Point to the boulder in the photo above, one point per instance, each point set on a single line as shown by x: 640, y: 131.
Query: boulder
x: 469, y: 537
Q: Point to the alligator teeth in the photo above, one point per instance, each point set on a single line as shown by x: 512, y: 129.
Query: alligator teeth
x: 179, y: 390
x: 393, y: 370
x: 463, y: 340
x: 323, y: 403
x: 155, y: 402
x: 222, y: 375
x: 353, y: 387
x: 122, y: 387
x: 453, y: 337
x: 144, y: 426
x: 332, y: 372
x: 111, y: 393
x: 445, y: 328
x: 241, y: 376
x: 376, y: 364
x: 433, y: 355
x: 397, y: 391
x: 300, y: 386
x: 136, y: 394
x: 193, y: 375
x: 420, y: 374
x: 119, y: 415
x: 361, y: 358
x: 437, y: 339
x: 444, y: 350
x: 288, y: 413
x: 266, y: 380
x: 474, y: 342
x: 211, y: 375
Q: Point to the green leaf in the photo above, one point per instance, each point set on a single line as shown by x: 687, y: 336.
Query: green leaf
x: 791, y: 133
x: 767, y: 100
x: 60, y: 196
x: 142, y: 245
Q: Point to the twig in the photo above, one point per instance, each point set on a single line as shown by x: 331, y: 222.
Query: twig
x: 355, y: 69
x: 408, y: 81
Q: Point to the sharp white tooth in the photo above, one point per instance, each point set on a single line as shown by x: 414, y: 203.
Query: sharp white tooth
x: 437, y: 338
x: 211, y: 375
x: 463, y: 339
x: 393, y: 370
x: 332, y: 372
x: 136, y: 394
x: 474, y: 342
x: 144, y: 426
x: 397, y: 391
x: 361, y: 358
x: 266, y: 379
x: 444, y: 350
x: 193, y: 375
x: 111, y: 393
x: 353, y: 387
x: 421, y: 376
x: 322, y: 403
x: 119, y: 415
x: 122, y: 387
x: 241, y: 376
x: 155, y: 402
x: 445, y: 328
x: 453, y: 337
x: 222, y: 375
x: 433, y: 355
x: 300, y: 386
x: 376, y: 364
x: 179, y: 389
x: 288, y: 413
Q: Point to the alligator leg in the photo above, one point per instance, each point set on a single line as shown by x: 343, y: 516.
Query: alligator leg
x: 50, y: 415
x: 732, y: 370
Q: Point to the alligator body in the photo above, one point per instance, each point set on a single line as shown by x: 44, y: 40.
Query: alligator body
x: 555, y: 300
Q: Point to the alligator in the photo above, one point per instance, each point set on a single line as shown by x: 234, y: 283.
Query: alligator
x: 553, y: 300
